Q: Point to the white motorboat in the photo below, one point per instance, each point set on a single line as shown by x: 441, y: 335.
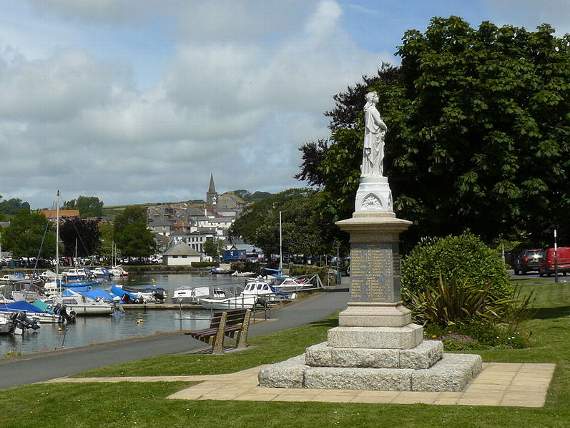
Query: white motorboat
x: 7, y: 325
x: 290, y: 285
x: 194, y: 294
x: 82, y: 305
x: 49, y: 275
x: 75, y: 275
x: 101, y: 272
x: 25, y: 295
x: 265, y: 291
x: 118, y: 271
x: 52, y: 288
x: 237, y: 302
x: 244, y: 274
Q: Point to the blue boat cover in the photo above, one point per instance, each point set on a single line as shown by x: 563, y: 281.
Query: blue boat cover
x: 98, y: 294
x: 118, y: 291
x: 19, y: 306
x: 81, y: 284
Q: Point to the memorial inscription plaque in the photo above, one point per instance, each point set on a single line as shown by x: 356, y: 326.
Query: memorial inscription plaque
x: 375, y: 273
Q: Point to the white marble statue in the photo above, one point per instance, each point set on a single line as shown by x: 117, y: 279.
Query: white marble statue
x: 375, y: 130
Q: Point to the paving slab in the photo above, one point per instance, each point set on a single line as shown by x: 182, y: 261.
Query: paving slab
x: 484, y: 390
x: 477, y: 393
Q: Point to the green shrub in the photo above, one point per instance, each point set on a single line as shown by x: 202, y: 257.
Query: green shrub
x: 448, y: 303
x: 299, y: 270
x: 204, y: 264
x: 246, y: 266
x: 464, y: 261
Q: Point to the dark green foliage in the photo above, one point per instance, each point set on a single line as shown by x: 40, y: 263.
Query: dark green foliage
x: 478, y: 132
x: 203, y: 264
x: 251, y: 197
x: 298, y: 270
x: 84, y: 234
x: 448, y: 302
x: 88, y: 206
x: 246, y: 266
x: 25, y: 234
x: 131, y: 233
x: 13, y: 206
x: 307, y: 225
x: 211, y: 248
x: 459, y: 288
x: 460, y: 261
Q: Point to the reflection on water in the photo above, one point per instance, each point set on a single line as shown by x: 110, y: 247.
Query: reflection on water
x: 131, y: 323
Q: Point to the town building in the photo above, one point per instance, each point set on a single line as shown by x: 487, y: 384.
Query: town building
x: 181, y: 255
x: 195, y: 222
x: 51, y: 215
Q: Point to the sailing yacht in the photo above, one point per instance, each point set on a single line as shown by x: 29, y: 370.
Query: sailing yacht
x: 80, y: 305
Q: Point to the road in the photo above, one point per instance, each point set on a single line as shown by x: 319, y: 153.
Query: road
x: 44, y: 366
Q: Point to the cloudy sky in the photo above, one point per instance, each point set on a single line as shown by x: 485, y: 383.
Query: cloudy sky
x: 139, y: 100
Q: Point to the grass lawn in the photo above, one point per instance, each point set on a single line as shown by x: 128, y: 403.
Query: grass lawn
x: 128, y: 404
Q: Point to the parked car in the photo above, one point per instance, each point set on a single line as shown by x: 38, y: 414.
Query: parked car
x: 547, y: 264
x: 528, y: 260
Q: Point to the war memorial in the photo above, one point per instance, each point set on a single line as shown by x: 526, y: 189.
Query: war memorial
x: 376, y: 345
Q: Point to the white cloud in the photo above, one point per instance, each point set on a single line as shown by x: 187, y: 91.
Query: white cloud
x: 234, y: 100
x: 54, y: 88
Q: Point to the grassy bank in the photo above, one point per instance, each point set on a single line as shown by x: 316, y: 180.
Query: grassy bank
x: 127, y: 404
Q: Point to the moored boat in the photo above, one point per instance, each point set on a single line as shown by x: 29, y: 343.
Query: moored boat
x: 194, y: 294
x: 237, y: 302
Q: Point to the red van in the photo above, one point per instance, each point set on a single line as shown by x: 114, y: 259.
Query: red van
x: 547, y: 264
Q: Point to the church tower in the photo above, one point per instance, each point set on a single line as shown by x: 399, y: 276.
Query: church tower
x: 211, y: 196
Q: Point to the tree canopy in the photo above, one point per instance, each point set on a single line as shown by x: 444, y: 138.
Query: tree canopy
x: 131, y: 234
x: 27, y: 234
x: 13, y: 206
x: 88, y: 206
x: 211, y: 248
x: 478, y: 132
x: 80, y: 236
x: 307, y: 226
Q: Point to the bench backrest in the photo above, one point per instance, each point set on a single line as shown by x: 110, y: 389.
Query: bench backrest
x: 234, y: 316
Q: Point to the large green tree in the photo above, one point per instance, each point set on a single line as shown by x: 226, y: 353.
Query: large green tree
x: 106, y: 233
x: 131, y: 233
x: 13, y: 206
x: 478, y: 132
x: 27, y: 234
x: 211, y: 248
x: 88, y: 206
x: 307, y: 226
x: 80, y: 236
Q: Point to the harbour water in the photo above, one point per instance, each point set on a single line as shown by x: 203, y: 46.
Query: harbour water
x: 122, y: 325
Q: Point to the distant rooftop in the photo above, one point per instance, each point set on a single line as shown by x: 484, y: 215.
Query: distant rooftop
x: 182, y: 249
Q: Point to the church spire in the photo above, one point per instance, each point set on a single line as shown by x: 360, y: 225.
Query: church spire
x: 211, y: 196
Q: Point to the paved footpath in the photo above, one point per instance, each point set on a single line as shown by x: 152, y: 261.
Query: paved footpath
x: 499, y: 384
x: 44, y: 366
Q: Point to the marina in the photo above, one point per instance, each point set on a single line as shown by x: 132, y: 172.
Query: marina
x: 136, y: 320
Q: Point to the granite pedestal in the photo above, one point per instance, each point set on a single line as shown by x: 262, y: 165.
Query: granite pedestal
x: 376, y: 346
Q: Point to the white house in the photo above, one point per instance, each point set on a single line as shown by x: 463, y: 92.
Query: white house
x: 181, y: 255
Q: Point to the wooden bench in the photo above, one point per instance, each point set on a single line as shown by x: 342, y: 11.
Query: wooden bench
x: 232, y: 323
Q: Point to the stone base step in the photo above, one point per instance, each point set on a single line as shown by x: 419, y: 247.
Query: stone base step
x: 452, y: 373
x: 423, y: 356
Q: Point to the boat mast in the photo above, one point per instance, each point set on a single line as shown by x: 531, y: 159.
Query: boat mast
x: 57, y: 279
x: 280, y: 246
